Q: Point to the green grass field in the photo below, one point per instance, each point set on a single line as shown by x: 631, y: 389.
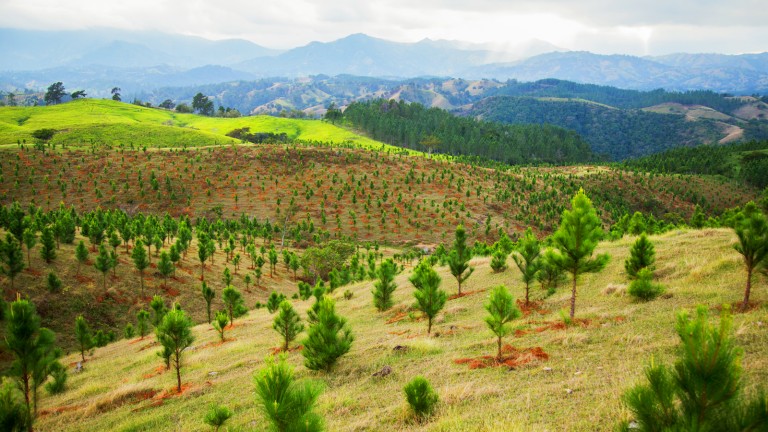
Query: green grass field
x: 124, y: 387
x: 85, y: 122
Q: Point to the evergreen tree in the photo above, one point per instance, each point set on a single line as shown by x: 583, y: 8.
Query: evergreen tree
x: 202, y: 252
x: 158, y: 310
x: 103, y: 264
x: 30, y: 240
x: 458, y: 259
x: 752, y: 231
x: 216, y: 416
x: 47, y: 245
x: 208, y: 295
x: 142, y: 322
x: 576, y: 240
x: 287, y: 323
x: 14, y: 415
x: 430, y: 299
x: 501, y: 309
x: 549, y: 276
x: 175, y: 256
x: 272, y: 261
x: 83, y: 336
x: 527, y: 260
x: 641, y: 255
x: 53, y: 282
x: 327, y: 339
x: 295, y: 264
x: 226, y: 276
x: 385, y: 286
x: 220, y: 323
x: 420, y: 397
x: 140, y: 261
x: 32, y: 348
x: 499, y: 261
x: 81, y: 254
x: 287, y: 405
x: 233, y: 299
x: 12, y: 257
x: 175, y: 334
x: 165, y: 266
x: 704, y: 389
x: 274, y: 300
x: 643, y: 287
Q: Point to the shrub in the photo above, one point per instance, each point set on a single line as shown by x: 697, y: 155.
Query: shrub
x: 327, y: 339
x: 58, y: 382
x: 499, y: 261
x: 216, y: 416
x: 421, y: 397
x: 274, y: 300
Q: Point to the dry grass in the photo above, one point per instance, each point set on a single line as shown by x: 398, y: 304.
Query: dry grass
x: 577, y: 389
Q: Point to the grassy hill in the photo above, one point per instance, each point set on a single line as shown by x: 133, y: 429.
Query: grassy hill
x: 87, y: 122
x: 576, y: 388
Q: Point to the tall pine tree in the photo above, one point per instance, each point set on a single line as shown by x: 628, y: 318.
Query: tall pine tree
x: 458, y: 258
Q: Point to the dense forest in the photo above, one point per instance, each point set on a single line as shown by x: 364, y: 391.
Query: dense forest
x: 614, y: 132
x: 417, y: 127
x: 747, y: 162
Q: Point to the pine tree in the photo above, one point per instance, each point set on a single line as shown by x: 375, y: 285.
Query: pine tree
x: 499, y: 261
x: 202, y: 252
x: 81, y: 253
x: 53, y: 283
x: 287, y: 405
x: 295, y: 264
x: 458, y: 259
x: 752, y: 231
x: 47, y: 245
x: 501, y: 309
x: 233, y: 299
x: 430, y: 299
x: 165, y: 266
x: 643, y: 287
x: 140, y: 261
x: 527, y: 260
x: 274, y: 300
x: 704, y: 389
x: 30, y: 240
x: 420, y: 397
x: 272, y: 261
x: 11, y: 256
x: 175, y: 256
x: 175, y: 334
x: 208, y: 295
x: 216, y: 416
x: 220, y: 322
x: 287, y: 323
x: 32, y: 348
x: 142, y: 322
x: 641, y: 255
x: 576, y: 240
x: 385, y: 286
x: 83, y: 336
x: 103, y: 264
x: 158, y: 310
x: 327, y: 339
x: 14, y: 415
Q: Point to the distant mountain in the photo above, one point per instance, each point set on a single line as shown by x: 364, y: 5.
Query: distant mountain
x: 359, y: 54
x: 742, y: 74
x: 35, y: 50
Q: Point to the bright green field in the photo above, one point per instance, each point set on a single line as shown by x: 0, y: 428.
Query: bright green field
x: 105, y: 122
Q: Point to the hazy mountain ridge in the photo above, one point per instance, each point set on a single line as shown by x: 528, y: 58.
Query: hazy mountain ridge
x: 32, y: 57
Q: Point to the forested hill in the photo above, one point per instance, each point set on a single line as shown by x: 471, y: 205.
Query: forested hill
x: 615, y: 132
x: 431, y: 129
x: 747, y: 162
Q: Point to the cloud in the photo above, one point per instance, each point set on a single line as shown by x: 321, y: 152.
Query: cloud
x: 650, y: 26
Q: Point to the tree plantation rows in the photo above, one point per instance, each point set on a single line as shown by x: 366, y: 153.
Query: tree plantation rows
x: 567, y: 254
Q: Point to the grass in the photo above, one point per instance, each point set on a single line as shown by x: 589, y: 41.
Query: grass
x: 589, y: 367
x: 87, y: 122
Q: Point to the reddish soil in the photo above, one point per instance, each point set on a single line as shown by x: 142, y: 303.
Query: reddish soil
x: 511, y: 357
x: 400, y: 333
x: 533, y: 306
x: 278, y: 350
x: 158, y: 371
x: 83, y: 279
x: 464, y: 294
x: 59, y: 410
x: 398, y: 317
x: 216, y: 343
x: 33, y: 272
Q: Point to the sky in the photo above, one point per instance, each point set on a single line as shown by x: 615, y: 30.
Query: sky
x: 647, y: 27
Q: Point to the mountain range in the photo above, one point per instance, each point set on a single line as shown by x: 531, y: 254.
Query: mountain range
x: 97, y: 59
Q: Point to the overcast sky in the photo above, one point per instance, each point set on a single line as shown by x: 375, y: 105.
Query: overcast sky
x: 602, y: 26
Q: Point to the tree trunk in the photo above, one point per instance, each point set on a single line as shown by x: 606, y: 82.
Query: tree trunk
x: 526, y: 293
x: 745, y: 304
x: 178, y: 374
x: 573, y: 295
x: 141, y: 273
x: 458, y: 279
x: 429, y: 326
x: 498, y: 355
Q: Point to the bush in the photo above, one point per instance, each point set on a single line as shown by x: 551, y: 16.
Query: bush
x: 643, y: 288
x: 328, y: 338
x: 53, y: 283
x: 59, y: 379
x: 499, y: 261
x: 421, y: 397
x: 274, y: 300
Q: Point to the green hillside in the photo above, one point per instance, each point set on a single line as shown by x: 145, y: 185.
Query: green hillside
x: 105, y: 122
